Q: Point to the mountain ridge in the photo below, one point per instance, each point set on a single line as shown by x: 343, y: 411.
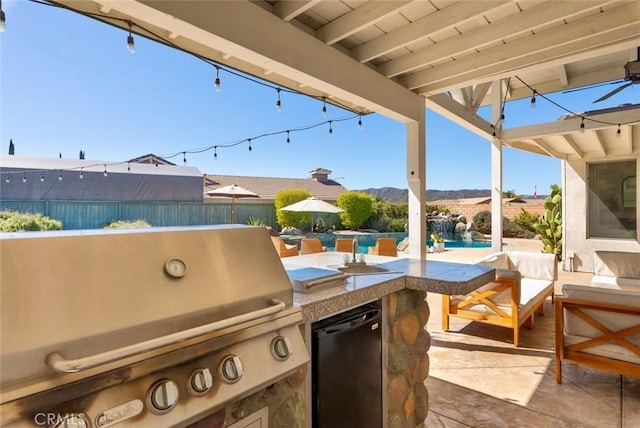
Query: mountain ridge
x: 393, y: 194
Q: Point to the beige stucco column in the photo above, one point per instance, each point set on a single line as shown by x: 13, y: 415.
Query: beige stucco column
x: 416, y: 179
x: 496, y: 167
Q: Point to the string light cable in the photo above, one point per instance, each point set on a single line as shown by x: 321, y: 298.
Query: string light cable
x: 582, y: 116
x: 133, y: 27
x: 216, y: 147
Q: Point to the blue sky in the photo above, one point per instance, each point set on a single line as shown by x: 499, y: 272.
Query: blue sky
x: 68, y: 83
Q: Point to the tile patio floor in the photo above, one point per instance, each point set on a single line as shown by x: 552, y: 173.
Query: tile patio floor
x: 478, y: 379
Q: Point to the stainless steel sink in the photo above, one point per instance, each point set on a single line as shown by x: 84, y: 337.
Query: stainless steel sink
x: 365, y: 269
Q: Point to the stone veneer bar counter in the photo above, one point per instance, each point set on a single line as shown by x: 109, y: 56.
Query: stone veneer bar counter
x: 405, y: 314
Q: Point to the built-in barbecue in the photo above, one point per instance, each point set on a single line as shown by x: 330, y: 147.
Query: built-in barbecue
x: 146, y: 327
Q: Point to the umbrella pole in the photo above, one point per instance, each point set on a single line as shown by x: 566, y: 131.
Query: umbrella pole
x: 233, y: 210
x: 312, y: 223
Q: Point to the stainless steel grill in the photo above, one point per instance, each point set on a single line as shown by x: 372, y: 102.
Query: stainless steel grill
x: 156, y: 327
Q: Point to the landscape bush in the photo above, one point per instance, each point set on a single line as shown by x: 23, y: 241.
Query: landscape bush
x: 291, y: 218
x: 482, y: 222
x: 357, y: 206
x: 510, y: 229
x: 526, y: 220
x: 127, y: 224
x: 14, y: 221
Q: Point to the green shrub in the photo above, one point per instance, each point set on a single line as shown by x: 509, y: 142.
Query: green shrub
x: 13, y: 221
x: 357, y: 206
x: 511, y: 229
x: 438, y: 208
x: 127, y: 224
x: 291, y: 218
x: 526, y: 220
x: 482, y: 222
x: 253, y: 221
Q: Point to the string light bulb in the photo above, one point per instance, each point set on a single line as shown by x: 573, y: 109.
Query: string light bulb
x: 330, y: 127
x: 184, y: 158
x: 105, y: 171
x: 81, y: 176
x: 618, y: 131
x: 129, y: 166
x: 533, y: 100
x: 278, y: 102
x: 324, y: 106
x: 215, y: 152
x: 360, y: 122
x: 131, y: 46
x: 250, y: 149
x: 288, y: 139
x: 216, y: 82
x: 582, y: 126
x: 3, y: 20
x: 41, y: 177
x: 7, y: 179
x: 24, y: 177
x: 60, y: 176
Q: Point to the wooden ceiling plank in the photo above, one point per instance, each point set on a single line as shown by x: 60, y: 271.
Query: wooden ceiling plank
x: 547, y: 148
x: 573, y: 145
x: 521, y: 23
x: 597, y: 137
x: 422, y: 28
x: 574, y: 51
x: 289, y: 9
x: 362, y: 17
x: 567, y: 126
x: 562, y: 75
x: 584, y: 29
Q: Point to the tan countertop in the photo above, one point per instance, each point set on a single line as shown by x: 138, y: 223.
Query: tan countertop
x: 429, y: 276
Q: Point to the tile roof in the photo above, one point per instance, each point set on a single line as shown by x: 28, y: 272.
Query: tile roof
x: 267, y: 187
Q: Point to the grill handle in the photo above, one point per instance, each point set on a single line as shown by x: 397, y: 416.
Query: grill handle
x: 60, y: 364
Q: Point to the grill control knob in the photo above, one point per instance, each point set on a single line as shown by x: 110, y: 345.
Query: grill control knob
x: 200, y: 382
x: 70, y: 421
x: 231, y: 369
x: 163, y: 396
x: 281, y: 348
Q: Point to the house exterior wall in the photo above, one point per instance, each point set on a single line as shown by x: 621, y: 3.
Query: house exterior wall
x: 577, y: 243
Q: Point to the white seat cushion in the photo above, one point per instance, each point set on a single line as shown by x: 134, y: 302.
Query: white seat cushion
x: 573, y: 326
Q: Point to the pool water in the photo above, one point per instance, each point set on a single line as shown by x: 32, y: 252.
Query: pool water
x: 364, y: 249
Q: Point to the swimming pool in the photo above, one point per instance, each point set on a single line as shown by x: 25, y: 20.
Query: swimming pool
x: 450, y: 244
x: 369, y: 240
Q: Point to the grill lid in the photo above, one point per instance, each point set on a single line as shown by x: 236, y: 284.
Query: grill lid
x: 86, y: 292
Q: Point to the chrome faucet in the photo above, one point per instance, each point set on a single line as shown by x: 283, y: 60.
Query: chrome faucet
x: 354, y: 250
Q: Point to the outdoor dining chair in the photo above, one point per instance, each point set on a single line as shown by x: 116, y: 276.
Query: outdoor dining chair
x: 284, y: 249
x: 384, y: 247
x: 344, y: 245
x: 311, y: 245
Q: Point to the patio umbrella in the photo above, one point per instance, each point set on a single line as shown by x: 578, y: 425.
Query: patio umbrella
x: 232, y: 191
x: 312, y: 205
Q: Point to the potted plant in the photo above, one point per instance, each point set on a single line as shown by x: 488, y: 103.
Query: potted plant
x: 438, y: 243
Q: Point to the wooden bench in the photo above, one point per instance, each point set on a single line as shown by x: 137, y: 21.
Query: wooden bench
x: 523, y: 282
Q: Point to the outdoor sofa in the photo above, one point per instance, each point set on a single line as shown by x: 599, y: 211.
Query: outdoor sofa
x: 522, y: 283
x: 598, y: 326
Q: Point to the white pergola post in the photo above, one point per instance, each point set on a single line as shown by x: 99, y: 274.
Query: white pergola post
x: 416, y: 178
x: 496, y: 167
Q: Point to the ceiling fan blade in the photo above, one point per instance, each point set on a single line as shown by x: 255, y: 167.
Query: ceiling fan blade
x: 612, y: 93
x: 592, y: 86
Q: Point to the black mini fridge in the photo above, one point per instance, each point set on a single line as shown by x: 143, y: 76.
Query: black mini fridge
x: 347, y: 369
